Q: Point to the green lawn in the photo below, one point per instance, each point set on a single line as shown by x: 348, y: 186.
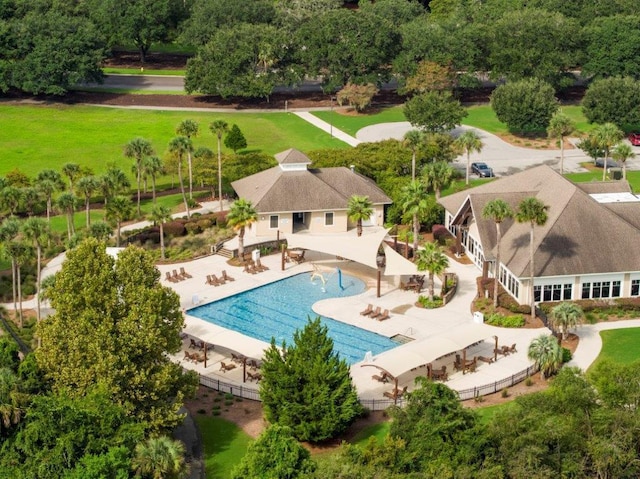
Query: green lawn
x: 224, y: 445
x: 596, y: 175
x: 379, y: 431
x: 352, y: 123
x: 36, y: 137
x: 620, y: 346
x: 460, y: 185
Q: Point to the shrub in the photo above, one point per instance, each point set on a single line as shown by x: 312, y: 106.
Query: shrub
x: 497, y: 319
x: 357, y: 96
x: 505, y: 393
x: 566, y: 355
x: 440, y: 233
x: 192, y: 203
x: 507, y: 301
x: 528, y: 382
x: 204, y: 224
x: 174, y: 228
x: 426, y: 303
x: 192, y: 228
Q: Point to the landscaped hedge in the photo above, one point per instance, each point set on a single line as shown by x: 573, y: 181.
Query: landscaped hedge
x: 497, y: 319
x: 597, y: 305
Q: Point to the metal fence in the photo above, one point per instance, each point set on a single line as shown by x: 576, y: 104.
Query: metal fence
x: 247, y: 392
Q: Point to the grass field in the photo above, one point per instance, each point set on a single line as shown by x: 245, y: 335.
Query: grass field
x: 633, y: 177
x: 620, y: 346
x: 352, y: 123
x: 224, y: 445
x: 36, y: 137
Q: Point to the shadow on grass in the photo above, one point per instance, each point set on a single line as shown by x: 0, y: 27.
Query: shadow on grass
x: 224, y: 444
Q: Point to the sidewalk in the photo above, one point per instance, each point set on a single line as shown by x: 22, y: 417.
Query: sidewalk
x: 590, y: 342
x: 327, y: 127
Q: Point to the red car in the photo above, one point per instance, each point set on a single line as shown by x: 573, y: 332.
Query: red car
x: 634, y: 138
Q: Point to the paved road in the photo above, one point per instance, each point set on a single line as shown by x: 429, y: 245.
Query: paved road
x: 142, y: 82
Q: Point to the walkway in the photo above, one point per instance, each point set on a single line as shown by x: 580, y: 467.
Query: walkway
x: 329, y: 128
x: 590, y: 342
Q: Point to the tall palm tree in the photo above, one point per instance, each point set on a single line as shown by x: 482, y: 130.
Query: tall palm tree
x: 72, y: 171
x: 100, y: 230
x: 533, y: 211
x: 241, y: 214
x: 359, y: 208
x: 432, y: 259
x: 160, y: 214
x: 32, y: 197
x: 23, y: 254
x: 113, y: 182
x: 437, y: 176
x: 153, y: 167
x: 87, y: 185
x: 497, y: 210
x: 138, y: 149
x: 66, y: 203
x: 178, y: 147
x: 412, y: 140
x: 49, y: 181
x: 546, y: 353
x: 10, y: 198
x: 468, y: 142
x: 159, y: 458
x: 118, y: 210
x: 9, y: 230
x: 219, y: 128
x: 622, y: 152
x: 188, y: 128
x: 561, y: 126
x: 606, y: 136
x: 566, y: 316
x: 414, y: 201
x: 37, y: 231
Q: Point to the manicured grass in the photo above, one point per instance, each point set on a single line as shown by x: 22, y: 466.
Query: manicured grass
x: 137, y: 71
x: 487, y: 413
x: 352, y: 123
x: 633, y: 177
x: 59, y: 222
x: 379, y: 431
x: 36, y: 137
x: 224, y: 445
x: 620, y: 346
x: 460, y: 185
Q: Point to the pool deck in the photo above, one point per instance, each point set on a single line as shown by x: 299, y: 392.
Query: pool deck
x: 406, y: 320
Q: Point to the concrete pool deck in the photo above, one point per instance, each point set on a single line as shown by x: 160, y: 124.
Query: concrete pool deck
x: 406, y: 320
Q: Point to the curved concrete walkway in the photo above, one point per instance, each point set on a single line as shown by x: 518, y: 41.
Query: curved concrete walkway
x: 590, y: 343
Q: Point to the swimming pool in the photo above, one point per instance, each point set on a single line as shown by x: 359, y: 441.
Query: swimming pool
x: 278, y: 309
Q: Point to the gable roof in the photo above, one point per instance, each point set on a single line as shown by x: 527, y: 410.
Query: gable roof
x: 278, y: 190
x: 292, y: 156
x: 581, y: 236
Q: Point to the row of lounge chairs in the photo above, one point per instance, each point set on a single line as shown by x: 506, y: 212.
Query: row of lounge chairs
x: 175, y: 276
x: 375, y: 313
x: 254, y: 267
x: 213, y: 280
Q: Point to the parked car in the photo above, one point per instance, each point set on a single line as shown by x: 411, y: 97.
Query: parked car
x: 634, y: 138
x: 482, y: 170
x: 610, y: 163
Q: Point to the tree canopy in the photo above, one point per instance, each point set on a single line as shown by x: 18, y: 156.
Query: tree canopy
x: 525, y: 105
x: 613, y: 100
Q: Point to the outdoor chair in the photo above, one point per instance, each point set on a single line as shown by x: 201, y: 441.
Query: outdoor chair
x: 184, y: 274
x: 169, y: 277
x: 226, y: 277
x: 212, y: 281
x: 383, y: 378
x: 253, y: 364
x: 376, y: 313
x: 513, y: 349
x: 194, y: 344
x: 226, y: 367
x: 506, y: 350
x: 368, y: 310
x: 440, y: 374
x: 500, y: 351
x: 260, y: 267
x: 254, y: 377
x: 219, y: 280
x: 176, y: 277
x: 236, y: 358
x: 384, y: 315
x: 457, y: 365
x: 470, y: 366
x: 249, y: 268
x: 485, y: 359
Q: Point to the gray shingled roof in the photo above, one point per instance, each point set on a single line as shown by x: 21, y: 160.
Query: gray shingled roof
x: 278, y: 191
x: 292, y: 156
x: 581, y: 236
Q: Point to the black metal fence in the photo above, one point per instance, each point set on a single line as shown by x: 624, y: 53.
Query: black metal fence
x: 252, y: 393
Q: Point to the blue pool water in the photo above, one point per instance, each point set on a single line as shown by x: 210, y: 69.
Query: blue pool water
x: 278, y: 309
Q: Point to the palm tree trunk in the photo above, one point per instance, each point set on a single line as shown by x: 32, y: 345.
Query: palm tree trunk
x: 139, y: 167
x: 496, y: 271
x: 431, y: 286
x: 13, y: 283
x: 604, y: 168
x: 68, y: 225
x: 38, y: 277
x: 531, y: 270
x: 241, y: 244
x: 153, y: 188
x: 413, y: 165
x: 624, y: 170
x: 162, y: 239
x: 562, y: 155
x: 87, y: 211
x: 415, y: 234
x: 359, y: 227
x: 190, y: 175
x: 20, y: 322
x: 49, y: 209
x: 468, y: 167
x: 118, y: 235
x: 220, y: 171
x: 184, y: 195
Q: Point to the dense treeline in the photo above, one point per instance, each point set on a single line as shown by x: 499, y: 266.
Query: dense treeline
x: 246, y: 48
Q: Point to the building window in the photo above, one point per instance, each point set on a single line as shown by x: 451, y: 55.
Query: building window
x: 328, y: 219
x: 566, y: 295
x: 635, y: 287
x: 615, y: 289
x: 586, y: 290
x: 552, y: 292
x: 601, y: 289
x: 273, y: 222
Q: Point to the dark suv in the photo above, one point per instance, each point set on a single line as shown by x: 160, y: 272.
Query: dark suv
x: 482, y: 170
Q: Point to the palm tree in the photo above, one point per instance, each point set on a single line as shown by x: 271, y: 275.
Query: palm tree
x: 622, y: 152
x: 138, y: 149
x: 160, y: 214
x: 566, y: 316
x: 66, y: 203
x: 119, y: 210
x: 10, y: 198
x: 153, y: 167
x: 71, y: 171
x: 9, y: 230
x: 359, y: 208
x: 86, y: 186
x: 533, y: 211
x: 37, y: 230
x: 100, y: 230
x: 560, y: 126
x: 219, y: 128
x: 32, y: 198
x: 468, y: 142
x: 49, y: 181
x: 159, y: 458
x: 188, y: 128
x: 114, y: 182
x: 438, y: 176
x: 22, y: 253
x: 497, y: 210
x: 606, y: 136
x: 178, y: 147
x: 412, y: 140
x: 432, y: 259
x: 241, y: 214
x: 546, y: 353
x: 414, y: 201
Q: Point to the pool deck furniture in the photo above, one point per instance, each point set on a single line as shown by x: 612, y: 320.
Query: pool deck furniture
x: 382, y: 378
x: 226, y: 277
x: 385, y: 315
x: 295, y: 256
x: 254, y: 376
x: 176, y: 277
x: 253, y: 364
x: 170, y: 278
x: 440, y: 374
x: 226, y: 367
x: 485, y: 359
x: 219, y: 280
x: 184, y: 274
x: 376, y: 312
x: 395, y: 393
x: 237, y: 358
x: 367, y: 311
x: 249, y: 268
x: 212, y: 281
x: 260, y: 267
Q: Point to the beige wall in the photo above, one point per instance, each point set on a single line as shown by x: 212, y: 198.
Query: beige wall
x: 317, y: 222
x: 378, y: 217
x: 285, y: 224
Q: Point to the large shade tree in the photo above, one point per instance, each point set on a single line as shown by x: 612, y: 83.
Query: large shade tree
x: 114, y: 324
x: 359, y: 209
x: 307, y: 386
x: 432, y: 259
x: 434, y: 111
x: 533, y: 211
x: 498, y: 211
x: 241, y: 215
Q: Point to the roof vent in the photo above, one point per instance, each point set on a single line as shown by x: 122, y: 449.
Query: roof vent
x: 353, y: 168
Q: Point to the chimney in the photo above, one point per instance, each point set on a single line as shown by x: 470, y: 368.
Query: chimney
x: 353, y: 168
